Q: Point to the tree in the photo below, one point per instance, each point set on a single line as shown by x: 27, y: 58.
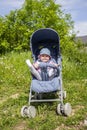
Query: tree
x: 35, y: 14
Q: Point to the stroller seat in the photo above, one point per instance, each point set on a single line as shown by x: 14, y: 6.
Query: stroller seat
x: 45, y: 86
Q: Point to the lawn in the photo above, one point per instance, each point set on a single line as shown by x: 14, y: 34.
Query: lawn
x: 15, y: 80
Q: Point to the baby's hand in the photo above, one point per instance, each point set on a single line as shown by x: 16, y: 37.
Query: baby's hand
x: 36, y: 65
x: 56, y: 65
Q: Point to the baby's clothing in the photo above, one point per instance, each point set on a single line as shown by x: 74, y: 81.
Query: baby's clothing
x: 47, y: 69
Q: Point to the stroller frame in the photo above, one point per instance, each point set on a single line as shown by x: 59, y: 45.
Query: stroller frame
x: 63, y: 94
x: 38, y: 38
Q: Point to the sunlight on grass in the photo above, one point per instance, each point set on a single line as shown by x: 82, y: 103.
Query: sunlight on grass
x: 15, y: 80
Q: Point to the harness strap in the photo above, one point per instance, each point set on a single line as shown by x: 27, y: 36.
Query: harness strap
x: 44, y: 74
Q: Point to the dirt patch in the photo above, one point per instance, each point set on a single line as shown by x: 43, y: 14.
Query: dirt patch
x: 14, y: 96
x: 74, y: 110
x: 76, y: 127
x: 21, y: 126
x: 85, y: 122
x: 62, y: 127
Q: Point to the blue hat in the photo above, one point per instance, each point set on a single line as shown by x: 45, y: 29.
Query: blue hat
x: 45, y: 51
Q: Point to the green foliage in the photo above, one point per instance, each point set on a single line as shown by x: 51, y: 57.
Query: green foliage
x: 17, y: 27
x: 4, y: 47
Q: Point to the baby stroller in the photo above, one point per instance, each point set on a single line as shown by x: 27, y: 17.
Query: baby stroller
x: 46, y: 38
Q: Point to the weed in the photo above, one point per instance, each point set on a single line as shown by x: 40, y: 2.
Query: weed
x: 15, y: 80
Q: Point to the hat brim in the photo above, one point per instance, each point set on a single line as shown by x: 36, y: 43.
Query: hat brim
x: 43, y: 54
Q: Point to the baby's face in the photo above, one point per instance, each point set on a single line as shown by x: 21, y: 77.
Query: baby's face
x: 44, y: 58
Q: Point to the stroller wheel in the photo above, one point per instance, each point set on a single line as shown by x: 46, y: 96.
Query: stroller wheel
x: 67, y: 109
x: 24, y: 111
x: 59, y: 109
x: 31, y: 112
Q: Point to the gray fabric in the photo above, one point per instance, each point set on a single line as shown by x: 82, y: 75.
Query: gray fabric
x: 47, y: 64
x: 45, y: 51
x: 45, y: 86
x: 47, y: 70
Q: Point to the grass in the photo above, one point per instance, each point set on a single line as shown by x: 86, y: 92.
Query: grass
x: 15, y: 80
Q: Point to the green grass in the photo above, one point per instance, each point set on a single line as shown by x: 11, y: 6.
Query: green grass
x: 15, y: 80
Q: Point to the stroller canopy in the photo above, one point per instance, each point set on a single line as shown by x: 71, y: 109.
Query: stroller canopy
x: 47, y: 38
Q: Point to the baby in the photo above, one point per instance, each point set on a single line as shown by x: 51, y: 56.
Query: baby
x: 46, y: 63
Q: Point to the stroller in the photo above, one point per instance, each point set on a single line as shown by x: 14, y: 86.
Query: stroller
x: 46, y: 38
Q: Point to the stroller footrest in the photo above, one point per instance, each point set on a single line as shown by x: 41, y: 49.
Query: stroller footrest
x: 45, y: 100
